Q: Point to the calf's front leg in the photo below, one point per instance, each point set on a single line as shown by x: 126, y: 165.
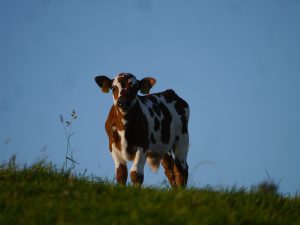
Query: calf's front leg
x: 137, y: 169
x: 121, y: 167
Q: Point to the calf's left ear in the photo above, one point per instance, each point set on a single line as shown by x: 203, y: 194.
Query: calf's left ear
x: 146, y: 84
x: 104, y: 83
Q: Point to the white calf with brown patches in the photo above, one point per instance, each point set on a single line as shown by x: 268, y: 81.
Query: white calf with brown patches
x: 152, y: 128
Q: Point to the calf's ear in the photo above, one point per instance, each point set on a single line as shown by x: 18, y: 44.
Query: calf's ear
x: 146, y: 84
x: 104, y: 83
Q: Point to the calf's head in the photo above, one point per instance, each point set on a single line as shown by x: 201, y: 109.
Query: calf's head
x: 125, y: 88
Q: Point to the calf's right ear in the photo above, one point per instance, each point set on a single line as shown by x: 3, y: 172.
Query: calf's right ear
x: 104, y: 83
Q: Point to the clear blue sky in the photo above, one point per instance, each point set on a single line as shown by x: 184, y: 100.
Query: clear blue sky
x: 237, y: 63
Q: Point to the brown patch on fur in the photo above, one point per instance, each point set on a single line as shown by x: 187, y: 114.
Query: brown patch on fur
x: 112, y: 124
x: 136, y: 179
x: 121, y: 174
x: 115, y: 91
x: 168, y: 164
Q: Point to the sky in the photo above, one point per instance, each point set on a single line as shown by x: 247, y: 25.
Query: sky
x: 237, y: 64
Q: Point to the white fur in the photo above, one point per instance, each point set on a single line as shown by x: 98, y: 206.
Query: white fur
x: 117, y: 84
x: 117, y: 156
x: 154, y: 162
x: 139, y: 161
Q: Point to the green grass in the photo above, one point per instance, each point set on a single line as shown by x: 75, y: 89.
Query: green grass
x: 42, y: 194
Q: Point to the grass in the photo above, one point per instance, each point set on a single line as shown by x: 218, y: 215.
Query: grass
x: 43, y: 194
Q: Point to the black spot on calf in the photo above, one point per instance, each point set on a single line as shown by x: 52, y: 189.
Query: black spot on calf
x: 156, y: 124
x: 165, y: 124
x: 152, y: 138
x: 156, y: 110
x: 151, y: 112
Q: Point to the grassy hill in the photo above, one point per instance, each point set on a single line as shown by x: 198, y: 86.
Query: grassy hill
x: 42, y: 194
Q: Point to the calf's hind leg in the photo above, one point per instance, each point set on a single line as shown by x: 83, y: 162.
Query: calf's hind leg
x: 181, y: 173
x: 168, y: 164
x: 180, y: 166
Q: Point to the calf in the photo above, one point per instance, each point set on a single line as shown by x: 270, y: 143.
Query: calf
x: 152, y: 128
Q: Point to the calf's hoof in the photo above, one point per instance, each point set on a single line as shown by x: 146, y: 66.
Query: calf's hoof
x: 181, y: 178
x: 181, y: 175
x: 136, y: 178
